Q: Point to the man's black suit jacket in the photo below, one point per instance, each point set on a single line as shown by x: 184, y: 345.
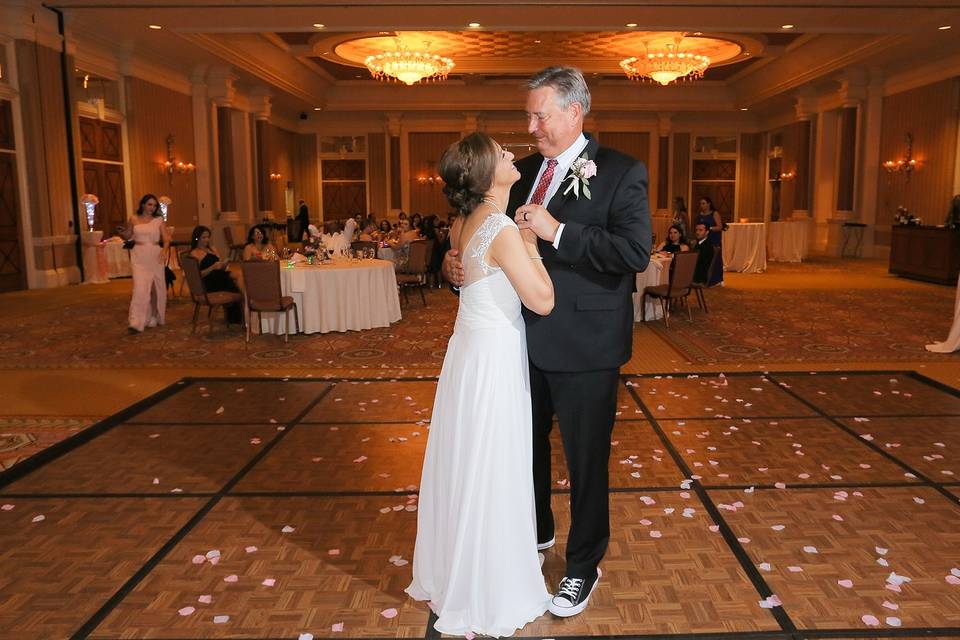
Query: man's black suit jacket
x: 705, y: 251
x: 605, y: 242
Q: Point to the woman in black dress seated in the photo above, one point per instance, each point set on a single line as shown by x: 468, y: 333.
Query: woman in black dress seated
x: 675, y: 242
x: 214, y: 270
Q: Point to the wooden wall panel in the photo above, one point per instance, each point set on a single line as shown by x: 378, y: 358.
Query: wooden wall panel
x: 282, y: 153
x: 153, y: 113
x: 425, y: 152
x: 634, y: 144
x: 752, y: 181
x: 377, y: 173
x: 681, y: 169
x: 930, y: 114
x: 307, y: 185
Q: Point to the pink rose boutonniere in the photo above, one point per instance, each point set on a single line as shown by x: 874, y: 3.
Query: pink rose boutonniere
x: 581, y: 171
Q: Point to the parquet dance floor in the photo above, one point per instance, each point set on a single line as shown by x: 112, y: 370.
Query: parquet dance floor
x: 778, y: 505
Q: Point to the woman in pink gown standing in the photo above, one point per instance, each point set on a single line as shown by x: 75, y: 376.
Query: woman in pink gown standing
x: 148, y: 305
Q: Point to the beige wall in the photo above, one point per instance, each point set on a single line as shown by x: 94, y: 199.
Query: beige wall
x: 425, y: 152
x: 930, y: 114
x: 153, y: 113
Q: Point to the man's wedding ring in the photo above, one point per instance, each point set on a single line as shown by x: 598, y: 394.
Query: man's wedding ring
x: 524, y: 216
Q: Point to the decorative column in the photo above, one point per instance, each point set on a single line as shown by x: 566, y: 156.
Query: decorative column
x: 869, y: 182
x: 203, y: 151
x: 260, y: 109
x: 801, y: 179
x: 394, y: 177
x: 853, y: 93
x: 664, y: 127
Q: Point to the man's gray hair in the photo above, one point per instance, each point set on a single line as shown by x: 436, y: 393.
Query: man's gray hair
x: 568, y: 82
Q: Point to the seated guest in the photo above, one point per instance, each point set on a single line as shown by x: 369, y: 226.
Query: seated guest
x: 258, y: 245
x: 675, y: 242
x: 214, y: 271
x: 407, y: 234
x: 368, y: 232
x: 384, y: 231
x: 349, y: 229
x: 416, y: 222
x: 705, y: 250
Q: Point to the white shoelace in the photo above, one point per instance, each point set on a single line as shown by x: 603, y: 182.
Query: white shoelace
x: 570, y: 587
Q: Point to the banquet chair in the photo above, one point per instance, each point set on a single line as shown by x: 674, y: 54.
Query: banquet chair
x: 699, y: 287
x: 199, y: 294
x: 235, y: 248
x: 414, y: 274
x: 677, y: 288
x: 262, y: 292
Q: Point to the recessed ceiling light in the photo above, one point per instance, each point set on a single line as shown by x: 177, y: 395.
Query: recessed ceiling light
x: 944, y: 27
x: 155, y: 26
x: 318, y: 108
x: 318, y: 25
x: 631, y: 24
x: 698, y: 33
x: 786, y: 26
x: 743, y: 108
x: 536, y: 42
x: 473, y: 25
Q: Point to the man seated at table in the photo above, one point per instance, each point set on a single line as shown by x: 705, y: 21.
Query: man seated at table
x: 705, y: 251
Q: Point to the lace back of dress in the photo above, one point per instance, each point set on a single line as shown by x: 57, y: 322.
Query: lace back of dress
x: 474, y: 263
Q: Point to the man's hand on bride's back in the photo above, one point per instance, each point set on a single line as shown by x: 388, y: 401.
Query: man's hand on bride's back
x: 453, y: 268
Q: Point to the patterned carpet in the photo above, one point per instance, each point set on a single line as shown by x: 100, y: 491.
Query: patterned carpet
x: 813, y: 325
x: 745, y: 325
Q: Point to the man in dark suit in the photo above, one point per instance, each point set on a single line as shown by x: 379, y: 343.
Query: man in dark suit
x: 588, y: 206
x: 705, y: 250
x: 303, y: 219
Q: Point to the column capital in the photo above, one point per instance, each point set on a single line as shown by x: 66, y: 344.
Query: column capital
x: 260, y: 103
x: 393, y: 124
x: 220, y: 86
x: 665, y: 124
x: 805, y: 104
x: 853, y: 87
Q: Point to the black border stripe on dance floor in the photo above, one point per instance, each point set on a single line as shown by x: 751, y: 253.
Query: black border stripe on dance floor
x: 788, y: 629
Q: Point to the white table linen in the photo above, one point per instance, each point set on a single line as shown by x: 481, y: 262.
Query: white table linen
x: 745, y: 247
x: 118, y: 259
x: 340, y: 295
x: 656, y: 273
x: 787, y: 241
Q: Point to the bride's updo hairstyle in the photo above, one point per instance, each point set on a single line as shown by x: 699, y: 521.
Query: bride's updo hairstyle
x: 467, y: 169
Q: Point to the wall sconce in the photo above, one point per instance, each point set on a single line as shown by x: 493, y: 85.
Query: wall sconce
x: 172, y: 165
x: 275, y: 177
x: 90, y: 203
x: 430, y: 178
x: 164, y: 202
x: 787, y: 176
x: 904, y: 165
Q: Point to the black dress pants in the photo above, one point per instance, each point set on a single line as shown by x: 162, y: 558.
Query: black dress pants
x: 585, y: 403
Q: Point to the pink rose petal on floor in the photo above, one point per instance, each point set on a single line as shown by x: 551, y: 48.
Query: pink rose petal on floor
x: 714, y: 528
x: 198, y: 559
x: 333, y: 552
x: 778, y: 527
x: 893, y: 621
x: 337, y: 627
x: 40, y: 518
x: 288, y: 529
x: 838, y: 517
x: 952, y: 580
x: 6, y: 507
x: 646, y: 522
x: 186, y: 611
x: 389, y: 613
x: 219, y: 411
x: 251, y: 549
x: 743, y: 540
x: 220, y: 619
x: 205, y: 599
x: 810, y: 549
x: 655, y: 534
x: 231, y: 578
x: 269, y: 582
x: 870, y: 621
x: 305, y: 636
x: 795, y: 569
x: 847, y: 584
x: 771, y: 602
x: 893, y: 606
x: 214, y: 560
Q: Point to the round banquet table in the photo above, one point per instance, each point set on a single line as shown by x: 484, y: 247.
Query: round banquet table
x: 745, y: 247
x: 787, y: 241
x: 340, y: 295
x: 657, y: 272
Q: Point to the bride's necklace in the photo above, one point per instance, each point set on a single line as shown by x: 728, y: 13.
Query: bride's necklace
x: 490, y: 200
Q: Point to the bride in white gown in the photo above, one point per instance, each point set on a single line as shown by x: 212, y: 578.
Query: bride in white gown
x: 952, y: 343
x: 476, y: 559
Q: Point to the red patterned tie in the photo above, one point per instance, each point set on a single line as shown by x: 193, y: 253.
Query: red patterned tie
x: 544, y: 183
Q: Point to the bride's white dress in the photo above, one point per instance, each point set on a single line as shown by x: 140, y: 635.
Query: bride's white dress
x: 952, y: 343
x: 476, y: 558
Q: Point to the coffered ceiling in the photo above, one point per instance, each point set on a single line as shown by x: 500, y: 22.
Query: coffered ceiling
x: 756, y: 57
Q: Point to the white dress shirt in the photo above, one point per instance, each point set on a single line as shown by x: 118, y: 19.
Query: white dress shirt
x: 564, y: 160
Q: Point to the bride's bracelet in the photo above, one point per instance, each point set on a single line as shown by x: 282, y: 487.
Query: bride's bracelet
x: 535, y: 257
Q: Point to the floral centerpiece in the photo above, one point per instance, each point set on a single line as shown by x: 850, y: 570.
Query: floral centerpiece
x: 90, y: 203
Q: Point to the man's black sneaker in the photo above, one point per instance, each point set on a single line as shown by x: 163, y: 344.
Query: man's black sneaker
x: 573, y: 596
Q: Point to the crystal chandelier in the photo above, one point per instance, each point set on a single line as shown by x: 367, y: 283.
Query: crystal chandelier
x: 666, y: 66
x: 408, y: 66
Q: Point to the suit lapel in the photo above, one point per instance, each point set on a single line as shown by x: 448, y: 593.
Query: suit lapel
x: 559, y: 201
